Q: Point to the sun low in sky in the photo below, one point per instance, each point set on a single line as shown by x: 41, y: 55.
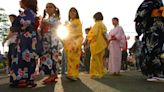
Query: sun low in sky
x: 123, y: 9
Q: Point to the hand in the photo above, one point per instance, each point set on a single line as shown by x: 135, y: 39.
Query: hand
x: 113, y: 37
x: 66, y: 23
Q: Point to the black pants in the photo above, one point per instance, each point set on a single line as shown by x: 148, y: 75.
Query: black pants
x: 10, y: 53
x: 124, y: 63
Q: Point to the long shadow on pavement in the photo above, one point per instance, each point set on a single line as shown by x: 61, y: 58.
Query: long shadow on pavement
x: 74, y: 86
x: 131, y: 81
x: 4, y: 86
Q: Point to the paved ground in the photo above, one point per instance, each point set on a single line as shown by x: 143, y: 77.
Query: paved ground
x: 130, y: 81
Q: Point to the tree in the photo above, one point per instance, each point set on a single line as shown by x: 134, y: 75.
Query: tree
x: 4, y: 24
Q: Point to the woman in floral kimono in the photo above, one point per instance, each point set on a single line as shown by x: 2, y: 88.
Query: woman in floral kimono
x: 51, y: 43
x: 73, y: 43
x: 97, y: 46
x: 23, y: 60
x: 150, y: 22
x: 117, y: 42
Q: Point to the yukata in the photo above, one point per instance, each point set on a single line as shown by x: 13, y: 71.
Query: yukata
x: 97, y: 48
x: 51, y: 47
x: 24, y: 54
x: 72, y: 47
x: 152, y: 29
x: 117, y: 41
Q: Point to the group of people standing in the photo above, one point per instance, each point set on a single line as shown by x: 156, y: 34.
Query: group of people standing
x: 38, y: 42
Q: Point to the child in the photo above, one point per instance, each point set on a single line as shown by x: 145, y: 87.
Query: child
x: 51, y: 44
x: 87, y: 52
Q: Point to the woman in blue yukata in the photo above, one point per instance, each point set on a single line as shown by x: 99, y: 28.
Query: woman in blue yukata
x: 24, y: 57
x: 51, y: 43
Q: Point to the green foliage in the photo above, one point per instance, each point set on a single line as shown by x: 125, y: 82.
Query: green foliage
x: 3, y: 63
x: 4, y: 24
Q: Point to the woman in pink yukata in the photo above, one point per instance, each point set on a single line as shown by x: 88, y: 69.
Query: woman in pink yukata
x: 117, y: 41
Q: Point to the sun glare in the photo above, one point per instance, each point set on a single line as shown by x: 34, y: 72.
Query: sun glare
x: 62, y: 32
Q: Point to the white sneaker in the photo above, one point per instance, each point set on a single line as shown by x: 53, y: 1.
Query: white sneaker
x: 159, y: 79
x: 151, y: 79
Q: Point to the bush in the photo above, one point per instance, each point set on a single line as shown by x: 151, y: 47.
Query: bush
x: 3, y: 63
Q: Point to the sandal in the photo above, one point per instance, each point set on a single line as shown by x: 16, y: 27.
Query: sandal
x: 50, y: 80
x: 32, y: 84
x: 22, y: 85
x: 47, y: 79
x: 19, y: 84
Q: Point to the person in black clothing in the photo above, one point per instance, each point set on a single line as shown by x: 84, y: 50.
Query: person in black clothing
x: 11, y: 37
x: 87, y: 52
x: 149, y: 22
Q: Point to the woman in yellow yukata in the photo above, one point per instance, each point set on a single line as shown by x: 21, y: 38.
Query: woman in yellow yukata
x: 96, y: 38
x: 73, y: 44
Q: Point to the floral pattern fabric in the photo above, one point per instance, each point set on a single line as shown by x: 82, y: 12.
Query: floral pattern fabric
x: 152, y: 28
x: 23, y: 58
x: 72, y: 47
x: 51, y: 47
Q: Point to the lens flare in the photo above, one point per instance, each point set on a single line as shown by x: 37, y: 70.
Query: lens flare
x: 62, y: 32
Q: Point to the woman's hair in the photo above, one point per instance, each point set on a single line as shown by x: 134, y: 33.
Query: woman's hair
x: 57, y: 11
x: 115, y: 18
x: 57, y: 14
x: 98, y: 16
x: 77, y: 14
x: 13, y: 15
x: 87, y: 30
x: 44, y: 13
x: 31, y: 4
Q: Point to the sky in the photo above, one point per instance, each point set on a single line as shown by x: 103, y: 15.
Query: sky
x: 123, y: 9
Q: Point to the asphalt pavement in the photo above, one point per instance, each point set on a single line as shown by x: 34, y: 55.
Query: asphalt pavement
x: 129, y: 81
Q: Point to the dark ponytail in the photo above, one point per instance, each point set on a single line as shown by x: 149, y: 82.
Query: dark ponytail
x: 57, y: 13
x: 44, y: 13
